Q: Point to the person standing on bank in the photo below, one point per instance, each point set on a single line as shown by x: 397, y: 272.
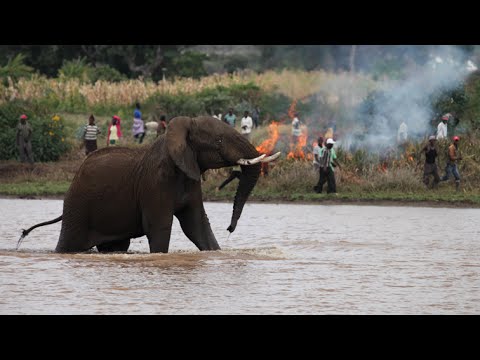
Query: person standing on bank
x: 230, y: 118
x: 138, y: 128
x: 442, y: 128
x: 453, y: 158
x: 246, y: 125
x: 24, y: 140
x: 430, y: 167
x: 296, y: 131
x: 328, y: 160
x: 114, y: 131
x: 90, y: 133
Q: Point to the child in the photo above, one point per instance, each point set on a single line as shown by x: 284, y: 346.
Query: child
x: 114, y: 131
x: 90, y: 133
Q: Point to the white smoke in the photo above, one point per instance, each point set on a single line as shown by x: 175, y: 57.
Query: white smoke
x: 408, y: 100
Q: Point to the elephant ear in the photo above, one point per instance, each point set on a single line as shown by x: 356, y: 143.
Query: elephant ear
x: 180, y: 151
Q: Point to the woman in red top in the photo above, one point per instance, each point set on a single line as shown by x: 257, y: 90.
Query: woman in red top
x: 116, y: 134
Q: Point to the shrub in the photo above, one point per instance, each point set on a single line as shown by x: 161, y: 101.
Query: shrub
x: 48, y: 138
x: 106, y: 73
x: 76, y: 69
x: 15, y: 69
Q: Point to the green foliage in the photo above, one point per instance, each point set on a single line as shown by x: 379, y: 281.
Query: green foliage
x: 81, y: 70
x: 15, y: 69
x: 48, y: 138
x: 175, y: 105
x: 274, y: 106
x: 240, y: 97
x: 75, y: 69
x: 236, y: 63
x: 216, y: 99
x: 106, y: 73
x: 189, y: 64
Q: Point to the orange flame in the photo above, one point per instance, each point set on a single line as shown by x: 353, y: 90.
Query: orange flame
x: 293, y: 109
x: 268, y: 145
x: 296, y: 150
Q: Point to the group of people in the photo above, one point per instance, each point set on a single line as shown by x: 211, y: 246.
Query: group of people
x: 451, y: 169
x: 247, y: 122
x: 114, y: 133
x: 246, y: 125
x: 325, y: 157
x: 442, y: 129
x: 325, y: 161
x: 91, y: 131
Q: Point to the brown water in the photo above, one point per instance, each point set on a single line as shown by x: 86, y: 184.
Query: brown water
x: 282, y: 259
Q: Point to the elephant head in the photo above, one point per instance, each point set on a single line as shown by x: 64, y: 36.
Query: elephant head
x: 202, y: 143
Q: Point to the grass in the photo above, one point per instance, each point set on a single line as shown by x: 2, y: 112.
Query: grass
x: 35, y: 188
x: 445, y: 195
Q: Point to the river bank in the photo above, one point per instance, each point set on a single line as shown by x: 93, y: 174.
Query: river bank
x: 459, y: 201
x: 52, y: 180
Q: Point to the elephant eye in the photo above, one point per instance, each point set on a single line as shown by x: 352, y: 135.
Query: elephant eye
x: 219, y: 141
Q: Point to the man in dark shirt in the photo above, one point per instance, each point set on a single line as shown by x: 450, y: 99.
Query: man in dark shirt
x: 24, y: 140
x: 430, y: 165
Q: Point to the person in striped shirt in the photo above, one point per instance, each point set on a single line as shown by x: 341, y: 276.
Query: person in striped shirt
x: 90, y: 135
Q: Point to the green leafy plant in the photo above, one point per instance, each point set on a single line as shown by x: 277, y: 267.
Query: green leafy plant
x: 48, y: 138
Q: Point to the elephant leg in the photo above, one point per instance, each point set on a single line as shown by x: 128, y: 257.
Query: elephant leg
x: 158, y: 232
x: 195, y: 225
x: 120, y: 246
x: 74, y: 233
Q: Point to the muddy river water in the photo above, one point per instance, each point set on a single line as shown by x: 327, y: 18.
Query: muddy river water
x: 282, y: 259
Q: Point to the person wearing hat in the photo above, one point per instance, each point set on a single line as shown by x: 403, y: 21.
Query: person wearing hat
x: 24, y: 140
x: 327, y: 162
x: 430, y: 167
x: 442, y: 128
x: 453, y: 157
x: 114, y: 131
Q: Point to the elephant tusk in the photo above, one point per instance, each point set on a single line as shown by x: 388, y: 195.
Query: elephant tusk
x: 272, y: 157
x: 250, y: 161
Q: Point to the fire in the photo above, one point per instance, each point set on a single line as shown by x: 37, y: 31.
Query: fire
x: 292, y: 109
x: 296, y: 150
x: 268, y: 145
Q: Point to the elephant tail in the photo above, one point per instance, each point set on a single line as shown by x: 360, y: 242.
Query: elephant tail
x: 26, y: 232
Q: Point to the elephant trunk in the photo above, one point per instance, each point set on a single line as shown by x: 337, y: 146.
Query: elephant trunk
x: 250, y: 175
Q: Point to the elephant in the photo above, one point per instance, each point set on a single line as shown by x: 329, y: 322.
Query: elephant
x: 120, y: 193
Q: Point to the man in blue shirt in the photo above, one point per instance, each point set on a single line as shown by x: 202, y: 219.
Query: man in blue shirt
x: 230, y: 118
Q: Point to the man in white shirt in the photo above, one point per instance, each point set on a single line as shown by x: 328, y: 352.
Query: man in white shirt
x: 296, y: 131
x: 246, y: 125
x: 442, y: 128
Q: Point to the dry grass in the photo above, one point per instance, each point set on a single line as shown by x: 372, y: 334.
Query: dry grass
x: 295, y: 84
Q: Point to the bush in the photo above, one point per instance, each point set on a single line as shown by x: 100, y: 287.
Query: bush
x: 76, y: 69
x: 189, y: 64
x: 15, y: 69
x: 48, y: 138
x: 106, y: 73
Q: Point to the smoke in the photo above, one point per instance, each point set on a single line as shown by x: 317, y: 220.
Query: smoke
x: 375, y: 122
